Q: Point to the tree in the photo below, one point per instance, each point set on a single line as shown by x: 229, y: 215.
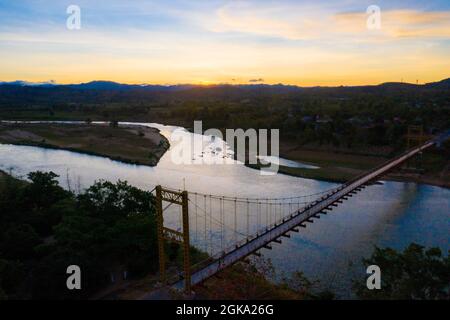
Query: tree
x: 18, y: 242
x: 44, y: 190
x: 44, y: 201
x: 110, y: 227
x: 12, y: 274
x: 306, y: 288
x: 415, y: 273
x: 114, y: 226
x: 3, y: 295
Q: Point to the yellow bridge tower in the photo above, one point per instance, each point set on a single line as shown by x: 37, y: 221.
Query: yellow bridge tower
x: 164, y: 233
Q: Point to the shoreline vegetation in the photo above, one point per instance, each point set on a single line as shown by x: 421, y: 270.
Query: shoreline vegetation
x: 344, y: 174
x: 137, y: 145
x: 340, y: 165
x: 337, y: 166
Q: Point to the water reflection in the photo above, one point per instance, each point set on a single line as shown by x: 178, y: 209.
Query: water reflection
x: 287, y: 163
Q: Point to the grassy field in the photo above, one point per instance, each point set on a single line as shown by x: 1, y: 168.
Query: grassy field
x: 431, y: 168
x: 330, y: 174
x: 128, y: 144
x: 333, y: 166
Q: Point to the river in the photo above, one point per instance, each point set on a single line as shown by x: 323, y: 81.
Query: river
x: 330, y: 250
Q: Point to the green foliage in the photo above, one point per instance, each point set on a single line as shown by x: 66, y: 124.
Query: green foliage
x: 109, y: 227
x: 18, y: 242
x: 355, y: 116
x: 39, y: 204
x: 12, y: 274
x: 3, y: 295
x: 341, y: 118
x: 415, y: 273
x: 298, y: 282
x: 49, y: 275
x: 306, y: 288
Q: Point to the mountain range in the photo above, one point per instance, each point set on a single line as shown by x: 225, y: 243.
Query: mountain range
x: 115, y: 86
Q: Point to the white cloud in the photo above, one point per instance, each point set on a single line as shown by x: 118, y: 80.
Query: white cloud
x: 300, y: 22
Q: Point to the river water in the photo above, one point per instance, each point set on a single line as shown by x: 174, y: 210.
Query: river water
x: 329, y: 250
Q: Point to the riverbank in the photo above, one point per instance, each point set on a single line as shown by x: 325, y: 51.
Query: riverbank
x: 129, y: 144
x: 334, y: 166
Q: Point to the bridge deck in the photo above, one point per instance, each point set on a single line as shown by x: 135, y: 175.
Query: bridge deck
x: 301, y: 216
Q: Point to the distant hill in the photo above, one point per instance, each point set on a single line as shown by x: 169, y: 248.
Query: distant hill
x: 110, y: 85
x: 443, y: 84
x: 30, y: 84
x: 115, y: 86
x: 398, y: 85
x: 102, y: 85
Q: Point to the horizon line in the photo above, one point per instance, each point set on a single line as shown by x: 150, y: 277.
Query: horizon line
x: 249, y: 83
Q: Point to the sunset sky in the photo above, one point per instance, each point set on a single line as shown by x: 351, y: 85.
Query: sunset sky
x: 304, y: 43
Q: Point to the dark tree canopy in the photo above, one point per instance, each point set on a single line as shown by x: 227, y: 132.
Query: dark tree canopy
x: 415, y: 273
x: 44, y: 229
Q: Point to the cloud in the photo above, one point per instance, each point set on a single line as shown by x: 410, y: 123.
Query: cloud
x: 269, y: 20
x: 288, y: 42
x: 300, y: 22
x: 399, y: 23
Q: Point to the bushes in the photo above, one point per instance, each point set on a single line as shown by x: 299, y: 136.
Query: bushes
x: 108, y: 227
x: 415, y: 273
x: 18, y: 242
x: 11, y: 273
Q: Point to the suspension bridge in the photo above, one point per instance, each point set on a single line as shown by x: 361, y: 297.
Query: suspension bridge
x: 231, y: 228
